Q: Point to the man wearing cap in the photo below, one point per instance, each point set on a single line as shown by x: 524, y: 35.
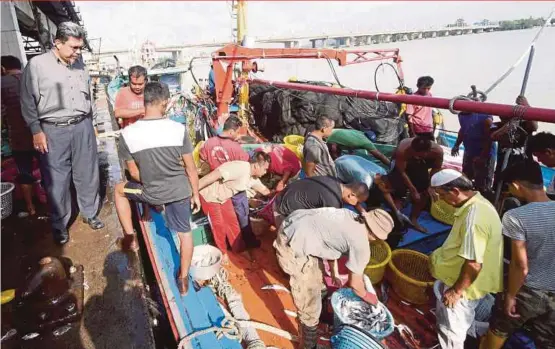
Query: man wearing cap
x: 469, y: 264
x: 326, y: 233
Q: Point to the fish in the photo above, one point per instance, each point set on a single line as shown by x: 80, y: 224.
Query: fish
x: 290, y: 313
x: 275, y: 287
x: 363, y: 315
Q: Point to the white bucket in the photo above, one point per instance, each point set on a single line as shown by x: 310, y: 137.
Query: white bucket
x: 199, y: 270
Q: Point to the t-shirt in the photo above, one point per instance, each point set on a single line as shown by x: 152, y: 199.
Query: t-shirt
x: 20, y: 136
x: 329, y: 233
x: 535, y: 224
x: 421, y: 117
x: 316, y: 151
x: 218, y: 150
x: 475, y: 235
x: 127, y: 99
x: 158, y: 146
x: 236, y: 178
x: 472, y: 128
x: 313, y: 192
x: 282, y: 160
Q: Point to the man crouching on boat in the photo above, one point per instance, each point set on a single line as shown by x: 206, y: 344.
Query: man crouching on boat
x: 469, y: 264
x: 307, y: 236
x: 216, y: 190
x: 413, y: 162
x: 158, y: 154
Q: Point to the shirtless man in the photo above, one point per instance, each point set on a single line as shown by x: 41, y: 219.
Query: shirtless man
x: 410, y: 170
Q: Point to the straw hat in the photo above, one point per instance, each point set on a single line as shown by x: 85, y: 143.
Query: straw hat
x: 379, y: 222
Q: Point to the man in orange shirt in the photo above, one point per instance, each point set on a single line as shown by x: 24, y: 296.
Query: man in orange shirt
x: 130, y: 106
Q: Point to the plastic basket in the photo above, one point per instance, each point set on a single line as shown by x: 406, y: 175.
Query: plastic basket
x: 338, y: 321
x: 443, y: 212
x: 380, y: 253
x: 7, y: 199
x: 409, y: 276
x: 295, y: 144
x: 352, y: 337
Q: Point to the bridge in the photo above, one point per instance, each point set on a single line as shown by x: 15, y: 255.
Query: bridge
x: 336, y: 40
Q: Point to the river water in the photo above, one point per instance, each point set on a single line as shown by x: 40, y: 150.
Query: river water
x: 454, y: 62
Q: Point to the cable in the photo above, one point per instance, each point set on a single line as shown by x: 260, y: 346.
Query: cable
x: 401, y: 82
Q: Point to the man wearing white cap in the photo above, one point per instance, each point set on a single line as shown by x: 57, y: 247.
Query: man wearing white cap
x: 469, y: 264
x: 326, y: 233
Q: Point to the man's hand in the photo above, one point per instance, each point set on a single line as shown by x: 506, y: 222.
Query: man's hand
x: 336, y: 280
x: 195, y: 204
x: 451, y: 297
x: 39, y: 142
x: 433, y: 194
x: 455, y: 151
x: 521, y: 100
x: 416, y: 196
x: 510, y: 306
x: 280, y: 186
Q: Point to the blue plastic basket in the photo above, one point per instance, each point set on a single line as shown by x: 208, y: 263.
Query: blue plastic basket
x: 338, y: 321
x: 352, y: 337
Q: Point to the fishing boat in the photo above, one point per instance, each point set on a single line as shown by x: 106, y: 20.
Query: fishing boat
x: 202, y: 319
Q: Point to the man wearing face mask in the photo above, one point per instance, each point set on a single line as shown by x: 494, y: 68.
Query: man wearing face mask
x: 57, y: 106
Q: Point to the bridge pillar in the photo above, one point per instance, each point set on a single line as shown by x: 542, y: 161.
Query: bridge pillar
x: 478, y: 31
x: 292, y: 44
x: 469, y: 31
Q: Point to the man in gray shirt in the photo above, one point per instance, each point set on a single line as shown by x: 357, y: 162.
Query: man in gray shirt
x: 317, y: 159
x: 57, y: 106
x: 530, y: 294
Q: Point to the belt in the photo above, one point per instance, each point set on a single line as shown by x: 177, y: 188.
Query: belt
x: 66, y: 122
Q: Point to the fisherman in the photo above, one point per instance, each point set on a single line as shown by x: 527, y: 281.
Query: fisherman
x: 512, y: 138
x: 542, y: 146
x: 317, y: 192
x: 57, y: 106
x: 326, y: 233
x: 129, y: 106
x: 158, y: 153
x: 21, y: 138
x: 216, y: 190
x: 413, y: 162
x: 224, y: 148
x: 469, y: 264
x: 285, y: 165
x: 317, y: 158
x: 478, y: 160
x: 530, y: 293
x: 212, y: 82
x: 354, y: 139
x: 420, y: 118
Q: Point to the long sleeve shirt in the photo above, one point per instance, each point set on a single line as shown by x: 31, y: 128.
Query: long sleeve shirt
x: 55, y: 91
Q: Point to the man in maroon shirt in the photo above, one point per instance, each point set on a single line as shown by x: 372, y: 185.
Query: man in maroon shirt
x: 221, y: 149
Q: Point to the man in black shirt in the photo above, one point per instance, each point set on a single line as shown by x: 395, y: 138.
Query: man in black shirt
x: 317, y: 192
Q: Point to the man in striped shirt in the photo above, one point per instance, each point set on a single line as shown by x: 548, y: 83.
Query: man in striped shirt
x: 530, y: 294
x: 469, y: 264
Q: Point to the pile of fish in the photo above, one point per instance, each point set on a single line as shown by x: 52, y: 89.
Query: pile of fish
x: 363, y: 315
x: 206, y: 260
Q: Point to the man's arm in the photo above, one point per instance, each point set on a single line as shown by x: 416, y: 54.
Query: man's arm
x: 378, y: 155
x: 29, y: 91
x: 309, y: 168
x: 126, y: 113
x: 191, y: 170
x: 356, y: 282
x: 458, y: 142
x: 518, y: 269
x: 209, y: 179
x: 469, y: 273
x: 94, y: 112
x: 133, y: 170
x: 311, y: 156
x: 486, y: 145
x: 401, y: 165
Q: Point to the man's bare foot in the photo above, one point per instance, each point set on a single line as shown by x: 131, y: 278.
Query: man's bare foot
x: 418, y: 227
x: 129, y: 243
x: 31, y: 210
x: 182, y: 283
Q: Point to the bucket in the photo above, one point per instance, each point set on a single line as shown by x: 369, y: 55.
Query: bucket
x: 7, y: 199
x: 259, y: 225
x: 338, y: 320
x: 380, y: 253
x: 205, y: 272
x: 352, y: 337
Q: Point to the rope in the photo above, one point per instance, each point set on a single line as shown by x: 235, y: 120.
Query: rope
x: 229, y: 328
x: 510, y: 70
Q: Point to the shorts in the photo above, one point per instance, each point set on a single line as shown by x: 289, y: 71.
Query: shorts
x: 24, y: 162
x: 536, y: 308
x: 419, y: 174
x: 177, y: 213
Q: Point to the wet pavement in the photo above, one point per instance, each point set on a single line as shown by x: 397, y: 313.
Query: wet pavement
x: 115, y: 312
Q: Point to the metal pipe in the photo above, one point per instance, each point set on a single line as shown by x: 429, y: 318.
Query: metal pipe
x: 527, y: 71
x: 501, y: 110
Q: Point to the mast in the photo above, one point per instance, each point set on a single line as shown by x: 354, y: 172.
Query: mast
x: 241, y: 12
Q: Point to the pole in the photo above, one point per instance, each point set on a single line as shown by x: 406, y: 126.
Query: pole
x: 501, y: 110
x: 508, y: 151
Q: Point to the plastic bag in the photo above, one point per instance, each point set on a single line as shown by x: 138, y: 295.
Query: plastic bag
x: 352, y: 168
x: 352, y: 139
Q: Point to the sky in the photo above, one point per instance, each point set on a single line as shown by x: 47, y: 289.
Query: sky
x: 121, y: 24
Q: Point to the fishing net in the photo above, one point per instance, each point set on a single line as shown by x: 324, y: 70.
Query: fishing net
x: 279, y: 112
x: 352, y: 139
